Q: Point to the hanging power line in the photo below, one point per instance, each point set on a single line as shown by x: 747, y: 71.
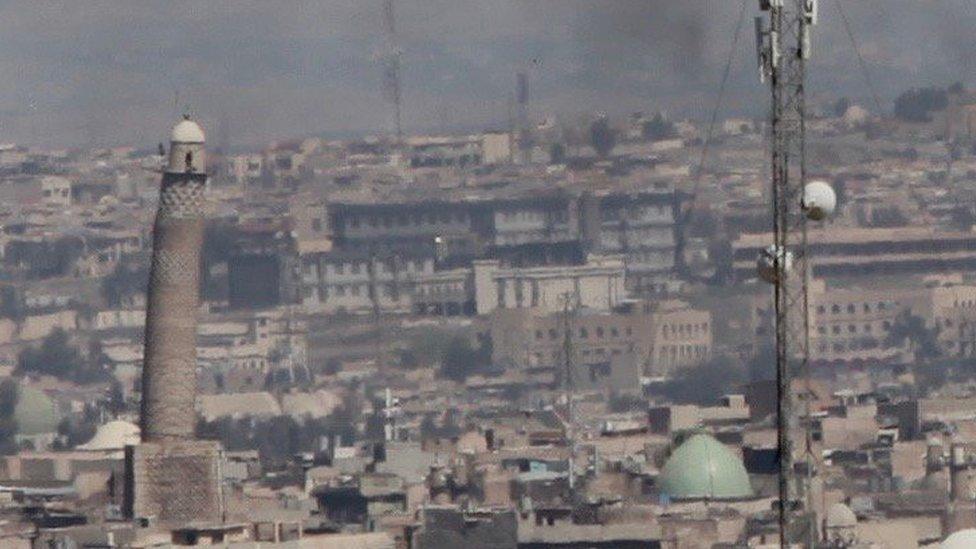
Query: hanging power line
x: 713, y: 120
x: 685, y: 217
x: 860, y: 58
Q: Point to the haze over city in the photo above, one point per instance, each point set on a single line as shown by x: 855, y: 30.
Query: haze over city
x: 104, y: 73
x: 509, y: 274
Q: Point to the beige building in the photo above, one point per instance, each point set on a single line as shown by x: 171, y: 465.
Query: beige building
x: 853, y: 324
x: 496, y: 148
x: 850, y: 251
x: 56, y: 191
x: 598, y: 284
x: 662, y: 336
x: 355, y: 282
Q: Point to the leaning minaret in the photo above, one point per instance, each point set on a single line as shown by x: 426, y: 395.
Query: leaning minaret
x: 169, y: 372
x: 173, y: 478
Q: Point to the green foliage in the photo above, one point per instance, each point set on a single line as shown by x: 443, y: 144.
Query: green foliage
x: 840, y: 106
x: 407, y: 359
x: 557, y: 153
x: 76, y: 430
x: 911, y: 329
x: 603, y: 138
x: 57, y: 357
x: 658, y: 128
x: 277, y: 439
x: 9, y: 394
x: 426, y: 347
x: 461, y: 359
x: 123, y: 283
x: 917, y: 104
x: 332, y: 366
x: 762, y: 366
x: 623, y: 402
x: 45, y: 259
x: 116, y: 398
x: 448, y: 427
x: 720, y: 253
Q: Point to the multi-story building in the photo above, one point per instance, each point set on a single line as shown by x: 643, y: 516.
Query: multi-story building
x: 461, y: 227
x: 532, y: 220
x: 853, y: 325
x: 361, y: 280
x: 843, y: 251
x: 597, y: 284
x: 546, y: 228
x: 641, y: 227
x: 661, y: 336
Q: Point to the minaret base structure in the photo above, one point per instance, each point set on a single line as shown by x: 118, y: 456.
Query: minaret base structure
x: 174, y: 483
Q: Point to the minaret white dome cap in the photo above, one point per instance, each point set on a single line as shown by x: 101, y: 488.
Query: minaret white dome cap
x: 187, y: 131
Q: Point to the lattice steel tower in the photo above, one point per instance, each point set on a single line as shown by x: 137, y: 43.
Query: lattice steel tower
x: 783, y: 41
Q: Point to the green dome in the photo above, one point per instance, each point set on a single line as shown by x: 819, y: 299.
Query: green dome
x: 703, y: 468
x: 35, y: 412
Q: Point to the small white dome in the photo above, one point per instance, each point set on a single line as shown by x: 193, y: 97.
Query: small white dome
x: 187, y: 131
x: 963, y: 539
x: 114, y: 435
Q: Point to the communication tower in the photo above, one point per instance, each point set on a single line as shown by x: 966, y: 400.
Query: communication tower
x: 783, y: 47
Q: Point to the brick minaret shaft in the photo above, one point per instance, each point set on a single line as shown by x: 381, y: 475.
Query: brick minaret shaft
x: 169, y: 384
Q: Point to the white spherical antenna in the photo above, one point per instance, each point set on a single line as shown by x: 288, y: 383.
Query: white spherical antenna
x: 819, y: 200
x: 766, y: 264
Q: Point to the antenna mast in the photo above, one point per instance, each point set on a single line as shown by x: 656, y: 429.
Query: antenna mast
x: 392, y: 68
x: 570, y: 308
x: 783, y: 46
x: 522, y: 98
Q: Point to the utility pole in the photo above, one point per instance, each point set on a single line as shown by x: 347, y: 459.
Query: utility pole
x: 522, y: 98
x: 377, y: 312
x: 783, y: 46
x: 569, y: 384
x: 392, y: 67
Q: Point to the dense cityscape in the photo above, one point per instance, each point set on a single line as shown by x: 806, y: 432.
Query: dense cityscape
x: 556, y: 332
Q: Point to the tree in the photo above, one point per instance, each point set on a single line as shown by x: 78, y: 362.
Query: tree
x: 603, y: 138
x: 840, y: 107
x: 9, y: 393
x: 658, y: 128
x: 73, y: 431
x: 917, y: 104
x: 625, y: 402
x: 911, y: 330
x: 407, y: 359
x: 720, y: 253
x: 116, y: 398
x: 460, y: 359
x: 428, y: 428
x: 557, y: 153
x: 57, y: 357
x: 123, y: 283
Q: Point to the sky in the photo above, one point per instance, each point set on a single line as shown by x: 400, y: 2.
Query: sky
x: 109, y: 73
